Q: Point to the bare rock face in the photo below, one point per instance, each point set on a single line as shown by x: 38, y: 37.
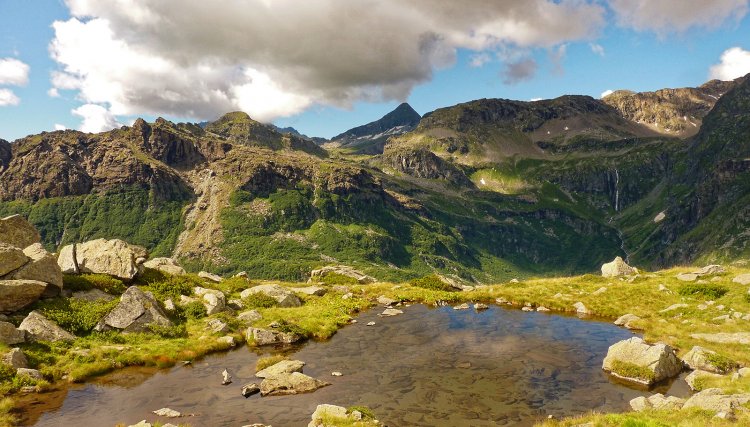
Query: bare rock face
x: 11, y: 258
x: 165, y: 265
x: 10, y: 335
x: 343, y: 270
x: 39, y: 328
x: 66, y: 260
x: 113, y: 257
x: 659, y: 359
x: 617, y: 268
x: 135, y: 312
x: 294, y: 383
x: 284, y: 296
x: 16, y: 231
x: 17, y: 294
x: 42, y: 267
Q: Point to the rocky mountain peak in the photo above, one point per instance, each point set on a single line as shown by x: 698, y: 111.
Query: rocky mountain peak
x: 371, y: 138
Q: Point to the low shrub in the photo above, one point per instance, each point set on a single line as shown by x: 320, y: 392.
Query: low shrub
x: 173, y: 287
x: 194, y: 310
x: 333, y: 279
x: 708, y: 290
x: 85, y: 282
x: 260, y: 300
x: 631, y: 370
x: 432, y: 282
x: 74, y: 315
x: 291, y: 328
x: 722, y: 363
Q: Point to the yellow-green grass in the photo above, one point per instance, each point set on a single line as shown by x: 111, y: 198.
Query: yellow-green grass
x: 651, y: 418
x: 267, y: 361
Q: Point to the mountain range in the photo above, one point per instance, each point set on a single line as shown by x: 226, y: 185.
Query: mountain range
x: 480, y: 191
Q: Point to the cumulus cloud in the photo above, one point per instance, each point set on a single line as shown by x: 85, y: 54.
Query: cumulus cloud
x: 7, y: 98
x: 58, y: 126
x: 13, y: 72
x: 95, y: 118
x: 53, y: 92
x: 735, y: 62
x: 606, y: 93
x: 662, y: 16
x: 277, y: 58
x: 517, y: 72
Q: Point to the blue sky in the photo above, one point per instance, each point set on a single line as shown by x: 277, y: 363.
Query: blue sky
x: 626, y: 49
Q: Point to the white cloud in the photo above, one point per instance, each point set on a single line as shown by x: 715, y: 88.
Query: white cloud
x: 479, y: 59
x: 597, y: 48
x: 535, y: 99
x: 13, y: 72
x: 277, y: 58
x: 7, y: 98
x: 606, y: 93
x: 95, y: 118
x: 58, y: 126
x: 663, y: 16
x: 735, y: 62
x: 53, y: 93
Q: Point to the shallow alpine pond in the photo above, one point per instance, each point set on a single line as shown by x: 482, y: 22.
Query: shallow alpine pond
x: 426, y: 367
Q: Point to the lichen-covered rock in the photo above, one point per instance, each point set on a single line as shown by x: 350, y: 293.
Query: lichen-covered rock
x: 343, y: 270
x: 214, y: 300
x: 165, y: 265
x: 326, y: 412
x: 17, y: 294
x: 618, y: 267
x: 15, y: 358
x: 703, y: 359
x: 283, y: 296
x: 294, y: 383
x: 266, y: 337
x: 657, y: 359
x: 694, y: 377
x: 714, y: 400
x: 11, y: 258
x: 136, y: 311
x: 16, y: 231
x: 281, y: 368
x: 249, y: 316
x: 113, y: 257
x: 42, y: 266
x: 10, y: 335
x: 66, y: 260
x: 39, y: 328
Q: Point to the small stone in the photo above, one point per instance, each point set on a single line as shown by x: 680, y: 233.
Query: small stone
x: 228, y: 339
x: 226, y: 378
x: 600, y: 291
x: 250, y: 389
x: 391, y: 312
x: 383, y: 300
x: 527, y: 308
x: 673, y: 307
x: 33, y: 373
x: 720, y: 307
x: 542, y: 308
x: 581, y: 308
x: 719, y: 318
x: 249, y: 316
x: 166, y: 412
x: 370, y: 323
x: 702, y: 307
x: 336, y: 374
x: 347, y: 295
x: 463, y: 306
x: 169, y: 305
x: 480, y: 306
x: 501, y: 300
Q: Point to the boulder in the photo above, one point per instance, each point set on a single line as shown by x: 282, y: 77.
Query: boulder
x: 388, y: 312
x: 687, y: 277
x: 581, y: 308
x: 167, y: 412
x: 250, y: 389
x: 618, y: 267
x: 266, y: 337
x: 210, y: 276
x: 700, y: 358
x: 627, y: 320
x: 326, y: 412
x: 17, y: 294
x: 294, y: 383
x: 42, y: 266
x: 284, y: 296
x: 214, y: 300
x: 66, y: 260
x: 16, y: 231
x: 312, y: 290
x: 284, y: 367
x: 227, y: 339
x: 31, y: 373
x: 384, y: 300
x: 11, y: 258
x: 15, y: 358
x: 136, y: 311
x: 344, y: 270
x: 693, y: 378
x: 714, y: 400
x: 165, y: 265
x: 113, y: 257
x: 39, y: 328
x: 217, y: 326
x: 659, y: 359
x: 249, y: 316
x: 742, y: 279
x: 10, y: 335
x: 724, y: 337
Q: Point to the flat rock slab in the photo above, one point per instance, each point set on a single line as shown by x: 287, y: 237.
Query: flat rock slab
x: 39, y: 328
x: 16, y: 231
x: 17, y: 294
x: 294, y: 383
x: 725, y: 337
x: 284, y: 367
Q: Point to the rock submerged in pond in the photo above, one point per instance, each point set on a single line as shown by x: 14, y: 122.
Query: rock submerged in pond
x: 266, y: 337
x: 283, y: 296
x: 656, y: 362
x: 618, y: 267
x: 250, y: 389
x: 39, y: 328
x: 136, y: 311
x: 294, y: 383
x: 284, y: 367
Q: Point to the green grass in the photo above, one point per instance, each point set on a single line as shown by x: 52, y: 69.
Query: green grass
x: 650, y: 418
x: 432, y: 282
x: 708, y: 290
x: 631, y: 370
x: 74, y: 315
x: 259, y: 300
x: 85, y: 282
x: 267, y: 361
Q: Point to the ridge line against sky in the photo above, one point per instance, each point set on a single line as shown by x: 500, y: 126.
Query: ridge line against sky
x: 324, y: 66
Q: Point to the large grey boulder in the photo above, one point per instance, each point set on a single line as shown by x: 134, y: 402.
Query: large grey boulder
x: 714, y: 400
x: 42, y: 266
x: 700, y: 358
x: 284, y: 367
x: 214, y: 300
x: 165, y: 265
x: 11, y: 258
x: 10, y: 335
x: 136, y: 311
x: 294, y: 383
x: 267, y: 337
x: 618, y: 267
x: 283, y: 296
x: 39, y: 328
x: 17, y: 294
x: 66, y: 260
x: 113, y: 257
x: 15, y: 358
x: 659, y: 359
x: 16, y: 231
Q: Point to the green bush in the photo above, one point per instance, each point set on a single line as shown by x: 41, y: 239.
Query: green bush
x: 74, y: 315
x: 194, y: 310
x: 722, y: 363
x: 174, y: 331
x: 7, y: 372
x: 260, y: 300
x: 173, y: 287
x: 333, y: 279
x: 85, y: 282
x: 432, y: 282
x: 708, y: 290
x: 291, y: 328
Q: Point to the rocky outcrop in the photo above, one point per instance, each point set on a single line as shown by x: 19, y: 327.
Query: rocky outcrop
x: 344, y: 270
x: 742, y: 279
x: 165, y: 265
x: 16, y: 231
x: 267, y: 337
x: 700, y: 358
x: 724, y: 337
x: 136, y: 311
x: 714, y: 400
x: 371, y: 138
x: 283, y: 296
x: 423, y: 163
x: 617, y: 268
x: 635, y: 360
x: 11, y: 258
x: 294, y: 383
x: 284, y: 367
x: 17, y: 294
x: 210, y: 277
x: 113, y: 257
x: 39, y: 328
x: 42, y: 266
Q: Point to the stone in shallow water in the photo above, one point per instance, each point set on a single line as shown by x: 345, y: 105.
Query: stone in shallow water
x: 281, y: 368
x: 388, y: 312
x: 250, y: 389
x: 167, y: 412
x: 293, y: 383
x: 657, y: 358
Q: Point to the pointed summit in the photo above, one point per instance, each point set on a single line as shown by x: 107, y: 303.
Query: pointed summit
x: 371, y: 138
